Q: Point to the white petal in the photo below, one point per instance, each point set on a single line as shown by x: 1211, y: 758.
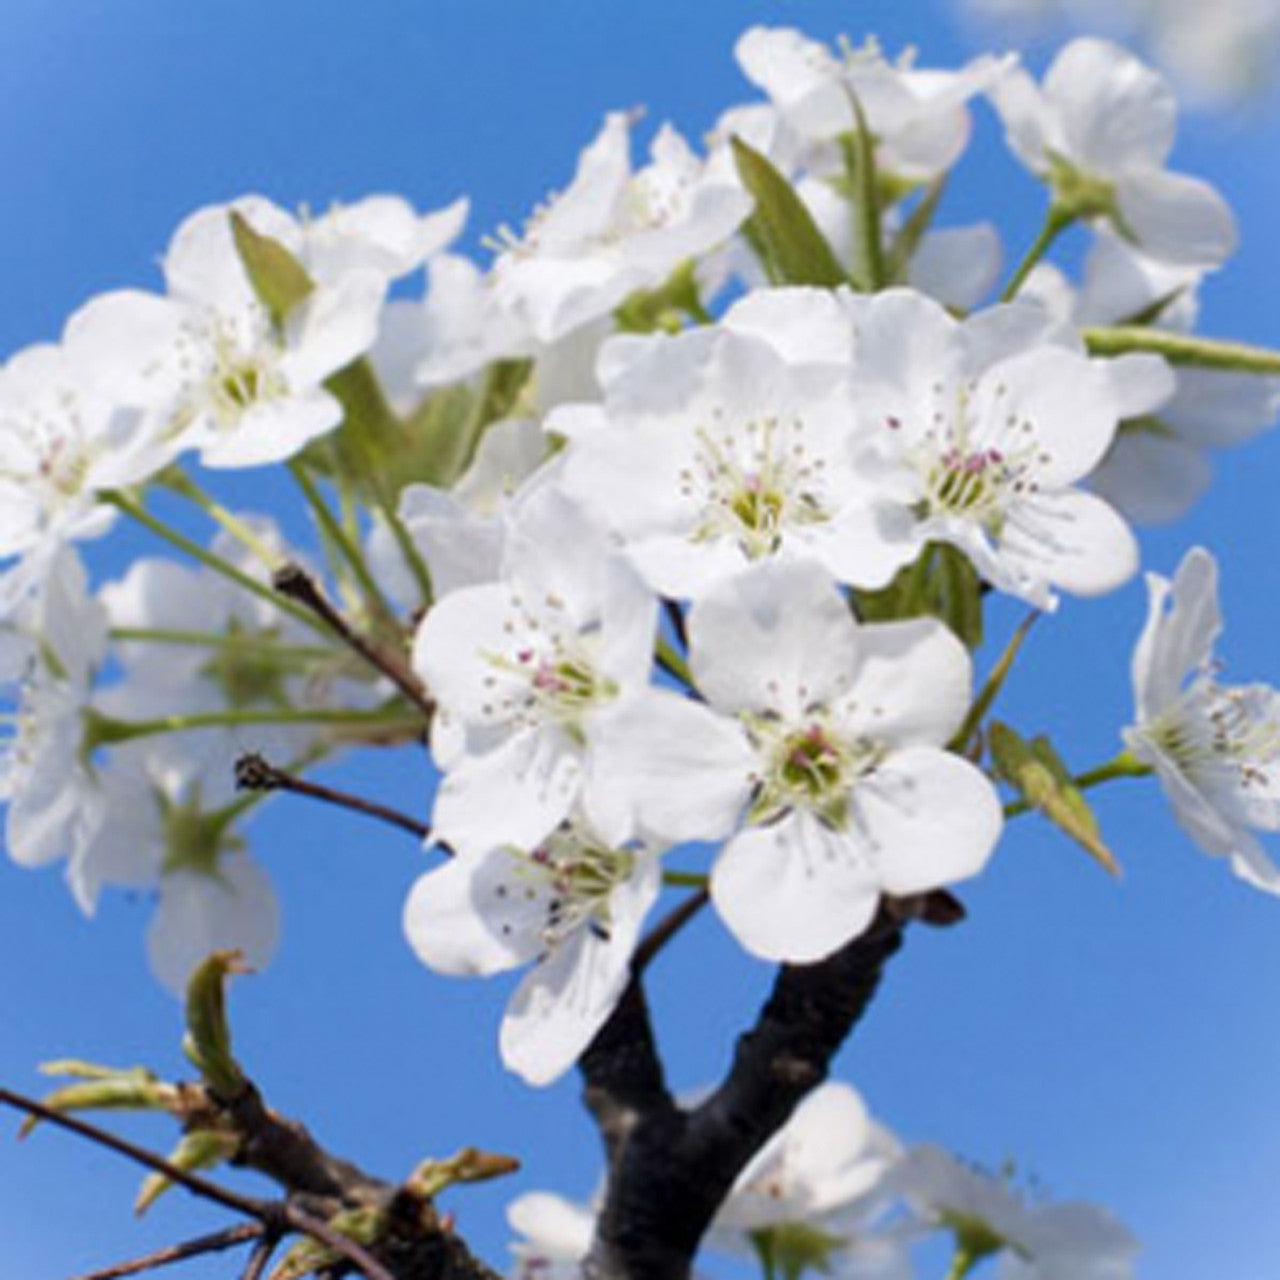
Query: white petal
x: 477, y: 914
x: 1070, y: 539
x: 778, y: 637
x: 681, y: 771
x: 795, y: 890
x: 516, y: 794
x: 1177, y: 217
x: 1151, y: 478
x: 1183, y: 623
x: 931, y: 818
x: 914, y: 684
x: 200, y: 914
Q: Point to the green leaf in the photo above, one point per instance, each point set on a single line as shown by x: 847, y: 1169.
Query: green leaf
x: 859, y: 149
x: 135, y: 1089
x: 278, y: 278
x: 308, y: 1256
x: 443, y: 433
x: 199, y: 1149
x: 940, y: 583
x: 208, y: 1039
x: 1036, y: 771
x: 907, y: 241
x: 782, y: 232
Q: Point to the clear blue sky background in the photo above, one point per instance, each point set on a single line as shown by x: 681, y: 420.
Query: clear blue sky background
x: 1118, y: 1040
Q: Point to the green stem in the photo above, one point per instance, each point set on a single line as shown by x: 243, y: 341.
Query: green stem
x: 208, y: 558
x: 860, y: 164
x: 1125, y: 765
x: 183, y: 485
x: 336, y: 535
x: 670, y: 660
x: 408, y: 550
x: 1056, y: 222
x: 212, y: 640
x: 684, y: 880
x: 962, y: 1262
x: 103, y: 730
x: 1183, y: 349
x: 991, y: 689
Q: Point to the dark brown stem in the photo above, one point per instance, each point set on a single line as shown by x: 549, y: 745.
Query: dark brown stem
x: 294, y: 582
x: 669, y: 1168
x: 271, y: 1214
x: 256, y: 1267
x: 249, y: 1206
x: 666, y: 929
x: 254, y: 773
x: 213, y: 1243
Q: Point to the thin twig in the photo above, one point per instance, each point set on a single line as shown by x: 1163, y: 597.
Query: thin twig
x: 255, y: 773
x: 250, y: 1206
x: 666, y: 929
x: 295, y: 583
x: 256, y: 1267
x: 270, y: 1213
x: 213, y: 1243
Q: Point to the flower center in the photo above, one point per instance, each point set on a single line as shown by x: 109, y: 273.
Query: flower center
x: 974, y: 465
x: 755, y: 483
x: 1221, y: 737
x: 581, y: 876
x: 811, y: 767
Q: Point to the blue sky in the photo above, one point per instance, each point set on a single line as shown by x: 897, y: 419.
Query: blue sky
x: 1116, y: 1039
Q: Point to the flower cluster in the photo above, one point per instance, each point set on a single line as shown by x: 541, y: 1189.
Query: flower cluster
x: 674, y: 523
x: 836, y: 1193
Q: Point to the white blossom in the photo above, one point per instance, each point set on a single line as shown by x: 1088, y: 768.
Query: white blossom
x: 525, y: 671
x: 572, y: 907
x: 1215, y: 748
x: 917, y: 116
x: 978, y: 431
x: 1100, y: 130
x: 207, y: 366
x: 614, y: 231
x: 728, y: 445
x: 1063, y: 1241
x: 557, y: 1235
x: 822, y: 740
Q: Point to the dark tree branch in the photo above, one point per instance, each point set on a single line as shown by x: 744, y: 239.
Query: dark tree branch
x: 670, y: 1169
x: 254, y: 773
x: 256, y: 1267
x: 666, y: 929
x: 294, y: 582
x: 217, y: 1241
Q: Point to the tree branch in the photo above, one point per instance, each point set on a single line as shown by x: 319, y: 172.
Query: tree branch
x: 670, y: 1169
x: 215, y: 1242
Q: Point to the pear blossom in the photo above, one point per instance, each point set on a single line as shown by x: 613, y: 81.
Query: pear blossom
x: 573, y: 906
x: 814, y: 1191
x: 1100, y: 130
x: 917, y: 116
x: 557, y: 1236
x: 820, y: 745
x: 1159, y: 463
x: 984, y: 426
x: 60, y: 445
x: 614, y: 231
x: 1215, y: 748
x: 220, y: 648
x: 207, y: 366
x: 1054, y: 1241
x: 525, y: 672
x: 59, y: 641
x: 728, y: 445
x: 380, y: 233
